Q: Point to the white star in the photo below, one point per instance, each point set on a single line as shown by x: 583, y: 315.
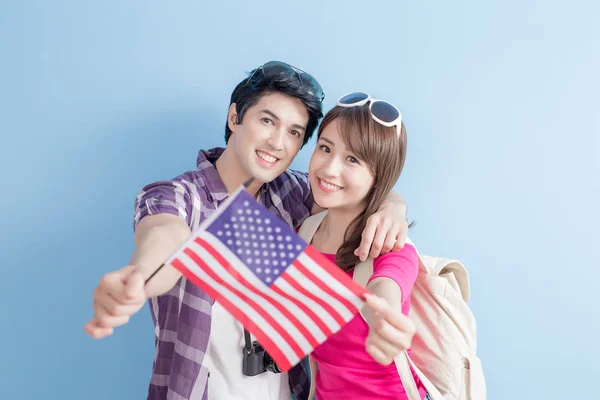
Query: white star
x: 265, y: 253
x: 256, y: 252
x: 270, y: 237
x: 281, y: 246
x: 255, y: 244
x: 239, y: 251
x: 267, y: 270
x: 282, y: 254
x: 230, y: 242
x: 269, y: 230
x: 259, y: 270
x: 275, y: 262
x: 248, y: 211
x: 248, y: 252
x: 240, y: 211
x: 228, y: 233
x: 226, y: 226
x: 238, y: 242
x: 220, y: 233
x: 288, y: 238
x: 252, y: 228
x: 256, y: 212
x: 261, y: 237
x: 268, y: 279
x: 275, y: 271
x: 236, y: 234
x: 298, y: 247
x: 246, y: 203
x: 233, y: 219
x: 248, y: 261
x: 277, y: 229
x: 260, y: 229
x: 247, y: 243
x: 258, y: 220
x: 266, y: 262
x: 250, y: 219
x: 283, y: 264
x: 279, y: 238
x: 289, y: 246
x: 245, y: 235
x: 257, y: 261
x: 272, y: 245
x: 291, y: 255
x: 235, y: 226
x: 242, y: 219
x: 253, y: 236
x: 244, y: 226
x: 263, y: 245
x: 267, y: 221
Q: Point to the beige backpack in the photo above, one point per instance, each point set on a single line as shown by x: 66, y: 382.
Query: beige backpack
x: 444, y: 347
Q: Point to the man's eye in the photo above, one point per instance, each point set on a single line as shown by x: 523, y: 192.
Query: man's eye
x: 267, y: 120
x: 295, y: 133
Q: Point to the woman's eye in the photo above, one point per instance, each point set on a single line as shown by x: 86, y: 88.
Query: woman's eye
x: 353, y: 159
x: 324, y: 148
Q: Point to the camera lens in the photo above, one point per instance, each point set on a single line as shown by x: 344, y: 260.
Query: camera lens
x: 270, y: 364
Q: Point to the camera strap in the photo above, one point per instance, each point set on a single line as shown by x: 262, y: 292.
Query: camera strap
x: 247, y: 339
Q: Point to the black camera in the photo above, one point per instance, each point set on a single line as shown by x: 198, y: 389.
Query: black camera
x: 256, y: 360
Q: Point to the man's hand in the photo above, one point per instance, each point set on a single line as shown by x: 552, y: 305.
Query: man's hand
x: 118, y: 296
x: 386, y: 230
x: 390, y: 331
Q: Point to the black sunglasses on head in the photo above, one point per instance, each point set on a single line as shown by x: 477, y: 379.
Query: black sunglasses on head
x: 273, y: 69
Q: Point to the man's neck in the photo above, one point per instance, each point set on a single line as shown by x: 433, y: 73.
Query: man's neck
x: 232, y: 174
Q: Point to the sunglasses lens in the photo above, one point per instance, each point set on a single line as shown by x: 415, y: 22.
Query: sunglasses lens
x: 312, y: 83
x: 385, y: 111
x: 353, y: 98
x: 273, y: 68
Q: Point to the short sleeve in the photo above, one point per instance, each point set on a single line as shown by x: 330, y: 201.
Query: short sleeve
x: 400, y: 266
x: 164, y: 197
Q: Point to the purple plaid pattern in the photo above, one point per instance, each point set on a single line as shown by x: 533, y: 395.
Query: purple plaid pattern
x: 182, y: 317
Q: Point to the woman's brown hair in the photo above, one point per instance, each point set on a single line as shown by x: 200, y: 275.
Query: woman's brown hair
x: 383, y: 151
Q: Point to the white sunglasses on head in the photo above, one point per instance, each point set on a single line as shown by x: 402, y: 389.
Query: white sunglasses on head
x: 385, y: 113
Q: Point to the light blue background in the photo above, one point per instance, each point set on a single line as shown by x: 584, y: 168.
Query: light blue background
x: 501, y: 101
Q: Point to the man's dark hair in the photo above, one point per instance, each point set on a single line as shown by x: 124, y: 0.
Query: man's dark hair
x: 249, y: 91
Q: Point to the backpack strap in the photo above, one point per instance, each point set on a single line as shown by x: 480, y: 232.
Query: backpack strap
x: 306, y: 232
x: 313, y: 377
x: 310, y: 226
x: 362, y: 273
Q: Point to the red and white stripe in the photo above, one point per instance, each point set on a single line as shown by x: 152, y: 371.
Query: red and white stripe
x: 310, y: 300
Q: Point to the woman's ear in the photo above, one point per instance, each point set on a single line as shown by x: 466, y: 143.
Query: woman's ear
x: 232, y: 117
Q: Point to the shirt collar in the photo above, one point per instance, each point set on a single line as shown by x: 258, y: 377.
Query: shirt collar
x: 205, y: 163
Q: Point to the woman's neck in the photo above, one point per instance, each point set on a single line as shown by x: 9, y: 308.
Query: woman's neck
x: 329, y: 237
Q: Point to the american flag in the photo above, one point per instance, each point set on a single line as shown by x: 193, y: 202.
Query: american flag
x: 284, y: 292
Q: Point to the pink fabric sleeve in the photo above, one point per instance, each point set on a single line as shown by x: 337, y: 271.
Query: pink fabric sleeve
x: 401, y: 266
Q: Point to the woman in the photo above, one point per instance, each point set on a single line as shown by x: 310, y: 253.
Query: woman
x: 359, y: 157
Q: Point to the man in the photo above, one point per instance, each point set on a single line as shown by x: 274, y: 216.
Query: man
x: 272, y: 114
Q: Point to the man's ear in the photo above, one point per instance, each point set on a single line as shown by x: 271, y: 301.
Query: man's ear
x: 232, y: 117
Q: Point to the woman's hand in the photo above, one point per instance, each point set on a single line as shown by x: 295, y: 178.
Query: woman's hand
x: 390, y: 331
